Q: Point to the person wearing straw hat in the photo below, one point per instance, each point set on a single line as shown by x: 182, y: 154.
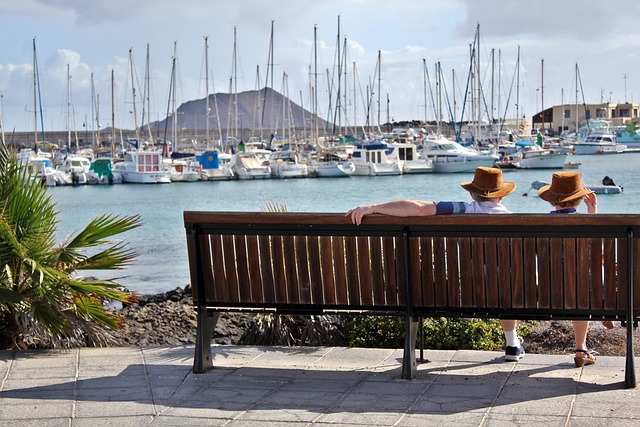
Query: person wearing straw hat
x: 487, y: 190
x: 565, y: 193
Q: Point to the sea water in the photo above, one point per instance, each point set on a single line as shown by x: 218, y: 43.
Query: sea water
x: 160, y: 242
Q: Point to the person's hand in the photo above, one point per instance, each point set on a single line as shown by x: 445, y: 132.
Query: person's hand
x: 358, y: 213
x: 592, y: 202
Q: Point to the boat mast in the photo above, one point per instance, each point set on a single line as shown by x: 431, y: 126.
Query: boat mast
x: 133, y: 91
x: 206, y: 85
x: 69, y: 109
x: 518, y: 91
x: 542, y: 93
x: 113, y: 118
x: 146, y: 103
x: 37, y: 100
x: 315, y: 85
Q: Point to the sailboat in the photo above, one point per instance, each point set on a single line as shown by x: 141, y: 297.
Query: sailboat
x: 325, y: 162
x: 214, y: 165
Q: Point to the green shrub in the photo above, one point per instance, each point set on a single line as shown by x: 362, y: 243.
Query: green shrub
x: 439, y: 333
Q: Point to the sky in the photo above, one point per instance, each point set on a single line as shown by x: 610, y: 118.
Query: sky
x: 587, y: 50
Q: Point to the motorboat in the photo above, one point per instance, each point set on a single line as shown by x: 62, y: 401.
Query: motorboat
x: 286, y: 164
x: 407, y: 156
x: 370, y: 158
x: 144, y: 167
x: 77, y: 168
x: 184, y: 169
x: 607, y: 186
x: 599, y: 140
x: 529, y: 155
x: 246, y: 165
x: 215, y: 166
x: 102, y: 170
x: 448, y: 156
x: 330, y: 164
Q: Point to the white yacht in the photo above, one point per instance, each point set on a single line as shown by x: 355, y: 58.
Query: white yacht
x: 184, y: 169
x: 448, y: 156
x: 406, y: 154
x: 599, y: 141
x: 286, y: 164
x: 330, y: 164
x: 370, y: 158
x: 247, y: 166
x: 144, y: 167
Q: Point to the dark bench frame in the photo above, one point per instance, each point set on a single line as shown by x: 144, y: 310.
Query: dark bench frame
x: 519, y: 266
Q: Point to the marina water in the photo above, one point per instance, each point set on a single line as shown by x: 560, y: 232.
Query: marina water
x: 161, y: 244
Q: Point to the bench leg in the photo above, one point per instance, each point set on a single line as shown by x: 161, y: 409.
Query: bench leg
x: 207, y: 320
x: 409, y: 370
x: 630, y: 369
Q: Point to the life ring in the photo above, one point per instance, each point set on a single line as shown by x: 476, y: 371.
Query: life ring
x: 505, y: 159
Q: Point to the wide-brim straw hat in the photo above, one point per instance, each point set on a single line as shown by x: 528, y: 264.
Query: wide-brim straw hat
x: 487, y: 182
x: 564, y: 187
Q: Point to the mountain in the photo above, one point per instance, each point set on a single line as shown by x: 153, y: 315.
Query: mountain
x: 264, y: 109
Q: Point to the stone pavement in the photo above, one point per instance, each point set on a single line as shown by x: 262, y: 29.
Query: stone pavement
x: 276, y: 386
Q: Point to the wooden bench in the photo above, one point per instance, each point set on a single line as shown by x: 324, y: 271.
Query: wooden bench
x: 519, y: 266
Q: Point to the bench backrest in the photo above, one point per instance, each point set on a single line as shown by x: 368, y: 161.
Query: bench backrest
x: 522, y: 265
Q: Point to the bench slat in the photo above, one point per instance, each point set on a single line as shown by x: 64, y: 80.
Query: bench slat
x: 391, y: 271
x: 491, y: 275
x: 505, y: 293
x: 427, y: 283
x: 341, y: 262
x: 242, y: 266
x: 557, y: 269
x: 315, y: 270
x: 530, y: 274
x: 609, y: 263
x: 478, y: 272
x: 267, y: 272
x: 466, y: 272
x: 517, y: 273
x: 453, y: 272
x: 377, y: 271
x: 569, y: 271
x: 302, y: 263
x: 285, y: 263
x: 583, y: 272
x: 353, y: 274
x: 253, y: 254
x: 544, y: 272
x: 328, y: 278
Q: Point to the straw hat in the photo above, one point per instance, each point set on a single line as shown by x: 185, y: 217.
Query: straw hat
x: 564, y: 187
x: 487, y: 182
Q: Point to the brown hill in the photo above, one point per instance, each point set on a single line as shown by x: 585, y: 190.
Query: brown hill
x: 265, y: 108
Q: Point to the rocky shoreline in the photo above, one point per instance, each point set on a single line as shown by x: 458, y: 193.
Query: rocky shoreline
x: 170, y: 319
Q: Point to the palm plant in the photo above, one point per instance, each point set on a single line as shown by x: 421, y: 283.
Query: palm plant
x: 44, y: 300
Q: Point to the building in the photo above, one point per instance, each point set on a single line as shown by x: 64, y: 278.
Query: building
x: 562, y: 118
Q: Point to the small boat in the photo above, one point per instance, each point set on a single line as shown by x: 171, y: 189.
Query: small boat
x: 286, y: 164
x: 247, y: 165
x: 77, y: 167
x: 215, y: 166
x: 102, y: 171
x: 330, y: 164
x: 184, y: 169
x: 607, y: 186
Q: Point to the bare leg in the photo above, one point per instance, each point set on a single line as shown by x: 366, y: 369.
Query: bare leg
x: 580, y: 328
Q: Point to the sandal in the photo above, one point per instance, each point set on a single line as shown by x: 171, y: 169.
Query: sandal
x: 588, y: 358
x: 607, y: 324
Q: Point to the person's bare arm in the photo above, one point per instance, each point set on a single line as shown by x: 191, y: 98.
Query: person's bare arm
x: 592, y: 203
x: 395, y: 208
